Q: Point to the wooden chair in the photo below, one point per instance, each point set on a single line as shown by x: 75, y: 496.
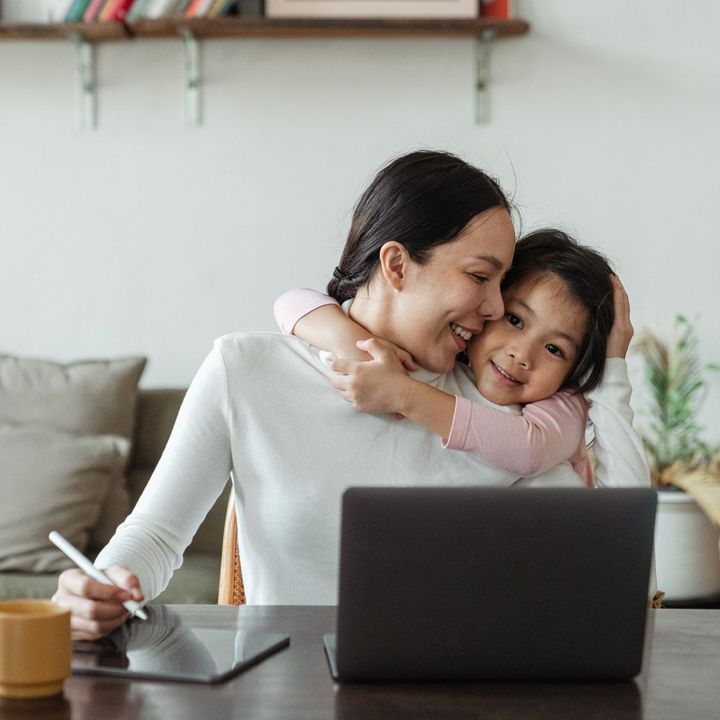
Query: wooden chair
x: 231, y: 590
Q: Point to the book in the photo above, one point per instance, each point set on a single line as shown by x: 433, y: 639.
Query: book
x: 76, y: 10
x: 199, y: 8
x: 93, y: 10
x: 180, y: 7
x: 220, y: 7
x: 192, y: 8
x: 118, y: 10
x: 160, y: 8
x: 107, y: 9
x: 215, y: 8
x: 137, y: 11
x: 496, y: 8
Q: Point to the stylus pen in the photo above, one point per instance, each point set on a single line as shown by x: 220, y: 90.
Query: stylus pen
x: 89, y: 569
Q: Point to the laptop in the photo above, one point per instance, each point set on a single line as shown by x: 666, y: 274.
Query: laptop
x: 492, y: 584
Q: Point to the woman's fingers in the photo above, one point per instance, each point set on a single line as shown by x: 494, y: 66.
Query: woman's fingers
x: 75, y: 583
x: 96, y: 608
x: 123, y: 578
x: 84, y: 629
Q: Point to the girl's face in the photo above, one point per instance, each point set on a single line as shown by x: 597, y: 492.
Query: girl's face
x: 526, y: 355
x: 456, y: 291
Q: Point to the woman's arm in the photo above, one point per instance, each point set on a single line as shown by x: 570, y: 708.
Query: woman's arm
x: 621, y: 459
x: 190, y: 475
x: 545, y: 434
x: 619, y: 451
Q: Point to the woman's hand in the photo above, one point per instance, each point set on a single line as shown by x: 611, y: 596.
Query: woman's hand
x: 96, y: 609
x: 380, y: 385
x: 622, y: 330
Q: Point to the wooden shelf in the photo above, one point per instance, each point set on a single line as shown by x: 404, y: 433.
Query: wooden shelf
x: 92, y: 32
x: 85, y: 37
x: 262, y: 27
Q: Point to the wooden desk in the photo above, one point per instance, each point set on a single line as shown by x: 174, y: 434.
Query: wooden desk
x: 679, y: 681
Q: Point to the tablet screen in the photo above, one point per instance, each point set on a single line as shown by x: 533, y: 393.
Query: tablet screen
x: 185, y: 653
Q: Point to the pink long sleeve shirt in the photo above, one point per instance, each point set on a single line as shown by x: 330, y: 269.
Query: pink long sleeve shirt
x: 539, y: 437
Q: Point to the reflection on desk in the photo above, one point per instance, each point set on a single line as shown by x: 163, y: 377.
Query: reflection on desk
x: 172, y: 651
x: 492, y: 701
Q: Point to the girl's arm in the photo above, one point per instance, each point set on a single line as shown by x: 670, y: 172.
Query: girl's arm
x: 320, y: 321
x: 545, y: 434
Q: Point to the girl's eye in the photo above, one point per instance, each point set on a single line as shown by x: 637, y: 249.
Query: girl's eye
x: 554, y: 350
x: 514, y: 320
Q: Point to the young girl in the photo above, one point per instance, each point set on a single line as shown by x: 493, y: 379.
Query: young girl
x: 532, y: 366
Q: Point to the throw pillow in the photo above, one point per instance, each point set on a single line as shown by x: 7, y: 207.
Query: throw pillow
x: 52, y: 480
x: 91, y: 397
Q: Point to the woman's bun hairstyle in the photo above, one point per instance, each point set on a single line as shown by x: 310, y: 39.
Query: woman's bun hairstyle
x: 420, y: 200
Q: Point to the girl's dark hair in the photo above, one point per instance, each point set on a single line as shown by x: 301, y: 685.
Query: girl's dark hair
x: 586, y: 275
x: 421, y: 200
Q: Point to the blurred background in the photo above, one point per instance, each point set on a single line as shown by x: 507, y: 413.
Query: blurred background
x: 146, y: 236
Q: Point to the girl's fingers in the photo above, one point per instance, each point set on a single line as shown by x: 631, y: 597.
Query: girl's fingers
x: 377, y: 349
x: 340, y: 382
x: 342, y: 365
x: 407, y: 360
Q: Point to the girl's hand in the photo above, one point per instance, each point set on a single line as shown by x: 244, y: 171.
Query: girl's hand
x: 380, y: 385
x: 96, y: 609
x: 622, y: 330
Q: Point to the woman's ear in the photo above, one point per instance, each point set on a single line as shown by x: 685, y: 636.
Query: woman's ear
x: 394, y: 262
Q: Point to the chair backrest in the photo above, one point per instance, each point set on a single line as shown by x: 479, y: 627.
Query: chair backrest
x: 231, y: 590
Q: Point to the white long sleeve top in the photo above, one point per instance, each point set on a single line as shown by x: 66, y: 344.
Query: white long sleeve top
x: 262, y: 411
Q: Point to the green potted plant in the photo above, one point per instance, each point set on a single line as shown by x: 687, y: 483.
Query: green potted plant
x: 683, y: 466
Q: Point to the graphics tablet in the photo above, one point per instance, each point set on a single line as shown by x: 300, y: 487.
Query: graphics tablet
x: 182, y: 653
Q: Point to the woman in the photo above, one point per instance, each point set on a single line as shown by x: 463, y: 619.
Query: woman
x: 439, y: 240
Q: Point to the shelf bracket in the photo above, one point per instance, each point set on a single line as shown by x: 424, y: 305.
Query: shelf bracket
x: 87, y: 110
x: 192, y: 79
x: 483, y: 45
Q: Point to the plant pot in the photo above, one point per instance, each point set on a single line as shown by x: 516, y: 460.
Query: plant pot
x: 686, y: 549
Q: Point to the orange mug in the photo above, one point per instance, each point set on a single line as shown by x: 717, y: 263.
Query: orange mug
x: 35, y: 648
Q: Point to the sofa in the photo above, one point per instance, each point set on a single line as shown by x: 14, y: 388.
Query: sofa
x: 197, y: 580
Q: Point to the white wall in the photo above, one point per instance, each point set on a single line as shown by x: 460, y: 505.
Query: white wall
x: 149, y: 237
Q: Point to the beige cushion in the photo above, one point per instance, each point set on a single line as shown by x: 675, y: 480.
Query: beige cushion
x: 51, y: 480
x: 91, y: 397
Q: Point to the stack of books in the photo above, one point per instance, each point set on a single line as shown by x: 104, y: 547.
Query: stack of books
x: 131, y: 10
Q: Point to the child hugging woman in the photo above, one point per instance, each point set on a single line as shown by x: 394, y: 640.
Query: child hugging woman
x: 566, y: 323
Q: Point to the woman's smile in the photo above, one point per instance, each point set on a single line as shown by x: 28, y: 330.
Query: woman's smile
x: 462, y: 335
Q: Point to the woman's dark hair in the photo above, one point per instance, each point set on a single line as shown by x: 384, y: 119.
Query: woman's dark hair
x: 586, y: 275
x: 420, y: 200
